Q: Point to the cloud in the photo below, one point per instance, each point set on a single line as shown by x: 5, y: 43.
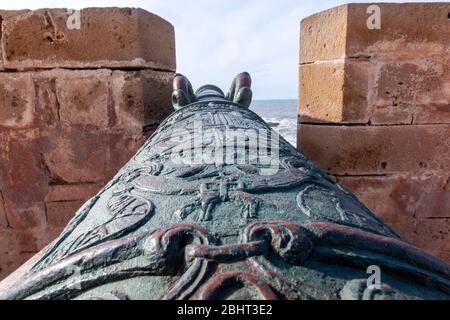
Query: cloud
x: 217, y: 39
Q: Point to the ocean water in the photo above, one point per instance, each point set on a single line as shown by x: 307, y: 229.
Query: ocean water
x: 281, y: 115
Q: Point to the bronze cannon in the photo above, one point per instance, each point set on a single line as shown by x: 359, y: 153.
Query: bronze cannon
x: 216, y: 205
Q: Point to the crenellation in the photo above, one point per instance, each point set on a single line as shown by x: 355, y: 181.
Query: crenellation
x: 72, y: 111
x: 374, y: 111
x: 107, y: 37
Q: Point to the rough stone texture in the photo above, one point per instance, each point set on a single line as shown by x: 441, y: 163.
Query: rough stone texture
x: 108, y: 37
x: 5, y: 14
x: 132, y: 93
x: 417, y: 207
x: 323, y: 36
x: 65, y: 132
x: 320, y: 98
x: 399, y: 74
x: 374, y: 112
x: 370, y: 150
x: 16, y: 100
x: 77, y: 94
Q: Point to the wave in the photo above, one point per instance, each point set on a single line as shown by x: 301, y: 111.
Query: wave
x: 286, y: 127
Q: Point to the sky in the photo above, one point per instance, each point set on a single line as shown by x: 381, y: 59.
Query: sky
x: 217, y: 39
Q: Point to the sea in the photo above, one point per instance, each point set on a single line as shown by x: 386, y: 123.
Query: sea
x: 281, y: 115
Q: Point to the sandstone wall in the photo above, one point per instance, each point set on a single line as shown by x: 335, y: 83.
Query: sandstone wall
x: 74, y: 104
x: 374, y: 111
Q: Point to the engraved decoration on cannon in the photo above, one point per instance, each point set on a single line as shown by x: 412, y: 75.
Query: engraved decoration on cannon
x: 217, y: 205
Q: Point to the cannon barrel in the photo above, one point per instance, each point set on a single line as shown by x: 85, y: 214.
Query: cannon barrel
x: 216, y: 205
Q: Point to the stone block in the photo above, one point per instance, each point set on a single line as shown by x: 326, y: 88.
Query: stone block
x: 405, y: 228
x: 334, y: 92
x: 10, y: 262
x: 76, y: 157
x: 432, y: 235
x: 397, y: 198
x: 84, y: 98
x: 414, y: 91
x: 141, y: 98
x: 74, y: 104
x: 402, y: 26
x: 381, y: 125
x: 343, y: 31
x: 411, y: 92
x: 25, y: 182
x: 3, y: 218
x: 47, y: 105
x: 18, y: 241
x: 16, y: 100
x: 368, y: 150
x: 121, y: 149
x: 24, y: 158
x: 5, y: 14
x: 22, y: 216
x: 417, y: 208
x: 324, y: 35
x: 18, y: 245
x: 104, y: 37
x: 321, y: 92
x: 70, y: 192
x: 59, y: 213
x: 398, y: 74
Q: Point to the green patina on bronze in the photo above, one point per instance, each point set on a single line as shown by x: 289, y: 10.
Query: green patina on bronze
x: 224, y: 228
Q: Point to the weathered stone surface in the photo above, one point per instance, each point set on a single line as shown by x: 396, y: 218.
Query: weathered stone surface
x: 403, y: 196
x: 366, y: 150
x: 19, y: 245
x: 396, y: 75
x: 5, y: 14
x: 402, y: 25
x: 47, y: 104
x: 16, y: 100
x: 9, y: 261
x: 24, y: 159
x: 324, y: 35
x: 14, y: 241
x: 3, y: 218
x: 395, y: 86
x: 59, y: 213
x: 111, y: 37
x: 71, y: 192
x: 416, y: 207
x: 141, y: 97
x: 84, y: 98
x: 121, y: 149
x: 428, y: 234
x: 334, y: 91
x: 64, y: 131
x: 433, y: 236
x: 4, y: 152
x: 415, y: 91
x: 321, y: 99
x: 21, y: 217
x: 77, y: 157
x: 342, y: 31
x: 62, y: 201
x: 25, y: 182
x: 392, y: 91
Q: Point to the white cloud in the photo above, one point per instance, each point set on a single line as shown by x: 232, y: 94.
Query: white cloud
x: 218, y: 39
